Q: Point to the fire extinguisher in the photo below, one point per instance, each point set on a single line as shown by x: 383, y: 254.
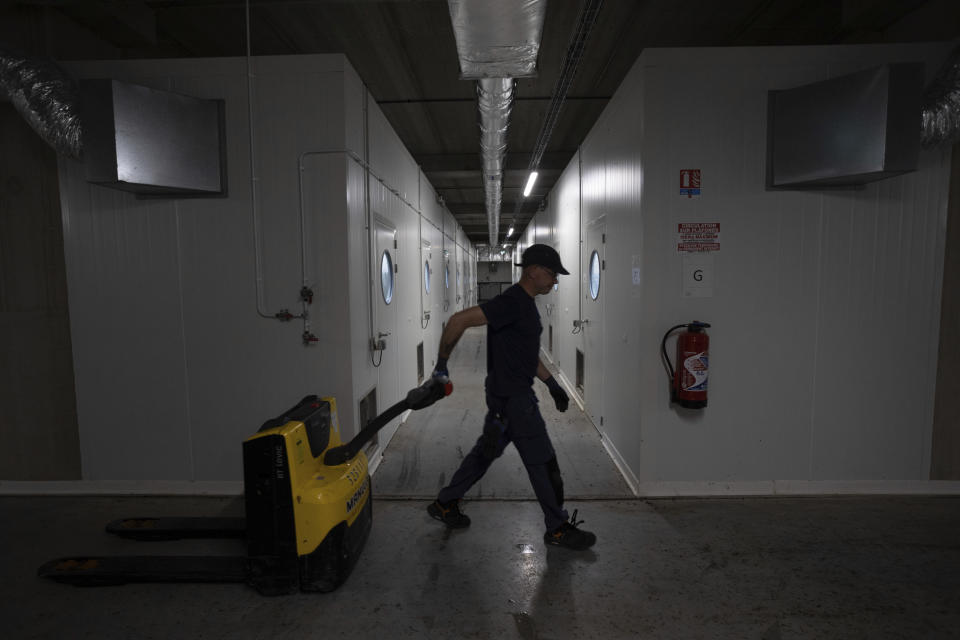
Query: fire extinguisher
x: 688, y: 384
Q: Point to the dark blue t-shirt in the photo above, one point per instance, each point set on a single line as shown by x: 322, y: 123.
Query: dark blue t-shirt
x: 513, y: 342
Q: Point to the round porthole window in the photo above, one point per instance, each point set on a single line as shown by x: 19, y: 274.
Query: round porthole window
x: 594, y: 275
x: 426, y: 276
x: 386, y: 277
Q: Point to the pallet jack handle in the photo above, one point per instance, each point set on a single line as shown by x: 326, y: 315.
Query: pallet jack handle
x: 421, y: 397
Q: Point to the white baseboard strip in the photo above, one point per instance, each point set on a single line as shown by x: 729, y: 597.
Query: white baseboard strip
x: 374, y: 460
x: 646, y: 489
x: 776, y: 488
x: 622, y: 465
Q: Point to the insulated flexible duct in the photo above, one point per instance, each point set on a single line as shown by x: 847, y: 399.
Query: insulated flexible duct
x: 941, y: 105
x: 494, y: 96
x: 497, y: 40
x: 46, y: 97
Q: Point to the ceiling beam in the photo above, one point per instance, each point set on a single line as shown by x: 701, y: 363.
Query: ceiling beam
x: 122, y: 24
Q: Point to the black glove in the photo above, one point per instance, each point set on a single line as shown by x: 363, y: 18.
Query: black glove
x: 559, y: 395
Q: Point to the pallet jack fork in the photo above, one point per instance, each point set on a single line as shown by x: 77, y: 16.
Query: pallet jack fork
x: 308, y: 505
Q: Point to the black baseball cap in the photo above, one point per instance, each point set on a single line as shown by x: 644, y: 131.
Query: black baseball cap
x: 543, y: 255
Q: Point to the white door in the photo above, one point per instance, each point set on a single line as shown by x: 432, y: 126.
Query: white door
x: 550, y: 317
x: 593, y: 269
x: 428, y: 312
x: 447, y: 286
x: 464, y: 284
x: 429, y: 283
x: 386, y: 289
x: 456, y: 264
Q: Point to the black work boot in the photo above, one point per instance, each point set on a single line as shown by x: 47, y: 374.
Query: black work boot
x: 569, y: 536
x: 449, y: 514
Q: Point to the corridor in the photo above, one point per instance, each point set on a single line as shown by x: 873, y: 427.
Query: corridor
x: 429, y: 446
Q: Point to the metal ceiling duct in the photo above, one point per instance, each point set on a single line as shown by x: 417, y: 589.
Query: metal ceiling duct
x: 494, y: 97
x: 497, y: 40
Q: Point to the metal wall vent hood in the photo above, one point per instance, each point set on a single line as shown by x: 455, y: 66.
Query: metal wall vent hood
x: 846, y: 131
x: 152, y: 142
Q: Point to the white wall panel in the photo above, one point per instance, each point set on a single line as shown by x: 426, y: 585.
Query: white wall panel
x: 171, y: 354
x: 363, y: 281
x: 825, y: 305
x: 123, y: 277
x: 389, y: 158
x: 273, y: 369
x: 382, y: 370
x: 545, y: 232
x: 361, y: 274
x: 400, y: 194
x: 430, y: 207
x: 409, y: 302
x: 447, y: 271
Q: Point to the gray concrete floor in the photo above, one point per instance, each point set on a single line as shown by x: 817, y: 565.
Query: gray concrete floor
x: 428, y: 447
x: 764, y: 568
x: 761, y: 568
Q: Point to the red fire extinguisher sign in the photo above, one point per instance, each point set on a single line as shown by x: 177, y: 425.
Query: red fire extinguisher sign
x: 690, y: 183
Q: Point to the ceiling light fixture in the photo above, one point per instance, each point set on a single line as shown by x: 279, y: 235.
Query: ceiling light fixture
x: 527, y: 189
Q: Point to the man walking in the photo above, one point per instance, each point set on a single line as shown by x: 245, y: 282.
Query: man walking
x: 513, y: 359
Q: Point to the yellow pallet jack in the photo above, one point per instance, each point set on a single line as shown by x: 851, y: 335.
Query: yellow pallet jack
x: 308, y: 507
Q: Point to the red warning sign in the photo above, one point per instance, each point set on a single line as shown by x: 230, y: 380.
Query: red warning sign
x: 698, y: 236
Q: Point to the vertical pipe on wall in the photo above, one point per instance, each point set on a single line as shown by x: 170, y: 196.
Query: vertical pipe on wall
x: 580, y: 233
x: 368, y: 215
x: 257, y: 258
x: 255, y: 212
x: 420, y: 240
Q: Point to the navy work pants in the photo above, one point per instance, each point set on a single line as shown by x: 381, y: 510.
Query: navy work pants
x: 514, y: 419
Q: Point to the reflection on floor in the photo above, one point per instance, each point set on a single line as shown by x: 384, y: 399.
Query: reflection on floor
x: 764, y: 568
x: 429, y: 446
